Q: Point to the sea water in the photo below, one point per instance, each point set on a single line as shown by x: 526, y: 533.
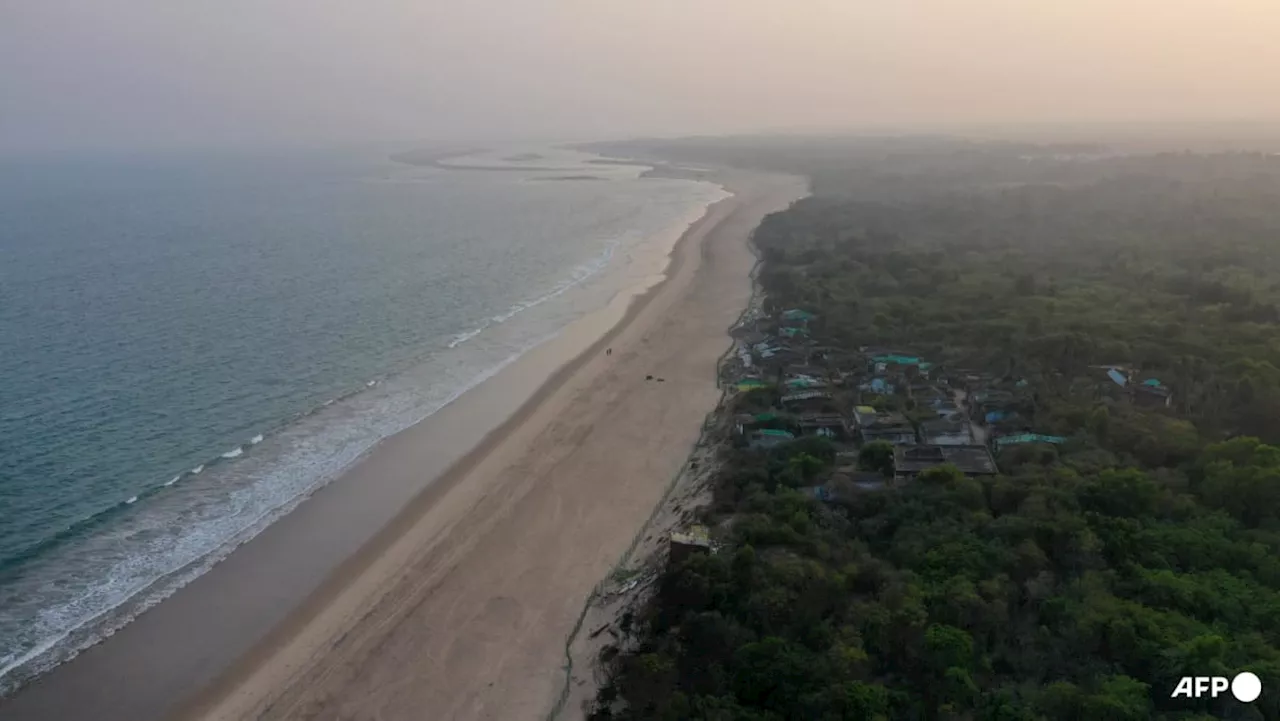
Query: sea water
x: 191, y: 344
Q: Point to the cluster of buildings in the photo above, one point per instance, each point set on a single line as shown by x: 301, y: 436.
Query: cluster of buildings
x: 1124, y: 382
x: 800, y: 387
x: 930, y: 415
x: 790, y: 386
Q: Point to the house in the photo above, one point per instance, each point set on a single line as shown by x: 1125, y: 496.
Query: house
x: 1115, y: 381
x: 797, y: 317
x: 898, y: 363
x: 806, y: 400
x: 696, y: 541
x: 745, y: 423
x: 830, y: 425
x: 885, y: 426
x: 993, y: 406
x: 947, y: 409
x: 781, y: 354
x: 802, y: 381
x: 1151, y: 393
x: 793, y: 331
x: 878, y: 386
x: 1021, y: 438
x: 766, y: 438
x: 944, y: 432
x: 972, y: 460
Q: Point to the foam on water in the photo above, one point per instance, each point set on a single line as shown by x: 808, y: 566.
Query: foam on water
x: 461, y: 338
x: 93, y: 579
x: 577, y: 276
x: 191, y: 536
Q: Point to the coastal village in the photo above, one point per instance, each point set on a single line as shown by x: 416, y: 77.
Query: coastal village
x: 945, y: 428
x: 782, y: 384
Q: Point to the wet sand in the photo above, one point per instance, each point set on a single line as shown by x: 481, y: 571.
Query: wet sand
x: 461, y: 605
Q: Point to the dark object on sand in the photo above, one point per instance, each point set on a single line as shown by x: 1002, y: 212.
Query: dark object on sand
x: 608, y: 351
x: 661, y: 380
x: 648, y: 378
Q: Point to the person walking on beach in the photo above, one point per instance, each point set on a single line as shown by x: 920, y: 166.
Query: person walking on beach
x: 608, y: 351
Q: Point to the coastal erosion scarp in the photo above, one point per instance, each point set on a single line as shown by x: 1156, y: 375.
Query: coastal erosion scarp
x: 604, y: 623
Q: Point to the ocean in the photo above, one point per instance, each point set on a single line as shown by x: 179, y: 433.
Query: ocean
x: 191, y: 344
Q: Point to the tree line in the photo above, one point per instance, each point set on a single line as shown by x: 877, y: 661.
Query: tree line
x: 1085, y: 579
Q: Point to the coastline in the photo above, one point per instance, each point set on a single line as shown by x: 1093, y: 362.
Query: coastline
x: 149, y: 666
x: 600, y: 628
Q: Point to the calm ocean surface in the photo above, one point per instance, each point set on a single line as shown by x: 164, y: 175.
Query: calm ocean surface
x: 189, y: 345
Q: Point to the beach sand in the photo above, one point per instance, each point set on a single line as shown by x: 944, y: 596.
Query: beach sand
x: 460, y: 607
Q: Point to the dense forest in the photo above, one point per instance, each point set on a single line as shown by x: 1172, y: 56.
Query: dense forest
x: 1088, y: 576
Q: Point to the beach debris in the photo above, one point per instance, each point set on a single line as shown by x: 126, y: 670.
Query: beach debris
x: 662, y: 380
x: 648, y: 378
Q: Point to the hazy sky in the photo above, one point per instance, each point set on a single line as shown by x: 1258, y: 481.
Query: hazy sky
x: 123, y: 73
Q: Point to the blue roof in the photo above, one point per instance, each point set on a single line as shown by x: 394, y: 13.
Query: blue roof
x: 1029, y: 438
x: 1117, y: 376
x: 1151, y: 383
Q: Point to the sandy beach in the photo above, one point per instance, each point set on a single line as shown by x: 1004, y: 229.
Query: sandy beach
x: 498, y: 516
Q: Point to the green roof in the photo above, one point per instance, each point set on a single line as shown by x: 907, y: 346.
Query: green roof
x: 1151, y: 382
x: 902, y: 360
x: 774, y: 432
x: 797, y: 314
x: 766, y: 416
x: 751, y: 383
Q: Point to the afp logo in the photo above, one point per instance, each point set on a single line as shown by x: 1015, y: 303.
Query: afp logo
x: 1245, y: 687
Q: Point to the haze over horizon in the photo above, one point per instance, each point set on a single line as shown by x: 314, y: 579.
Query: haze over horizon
x: 146, y: 73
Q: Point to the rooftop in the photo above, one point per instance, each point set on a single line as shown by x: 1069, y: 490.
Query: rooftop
x: 971, y: 460
x: 1028, y: 438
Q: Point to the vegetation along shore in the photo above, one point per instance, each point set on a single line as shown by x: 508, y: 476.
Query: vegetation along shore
x: 1000, y: 443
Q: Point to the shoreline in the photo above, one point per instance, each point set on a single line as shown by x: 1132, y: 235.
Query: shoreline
x: 211, y: 702
x: 425, y: 477
x: 630, y: 583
